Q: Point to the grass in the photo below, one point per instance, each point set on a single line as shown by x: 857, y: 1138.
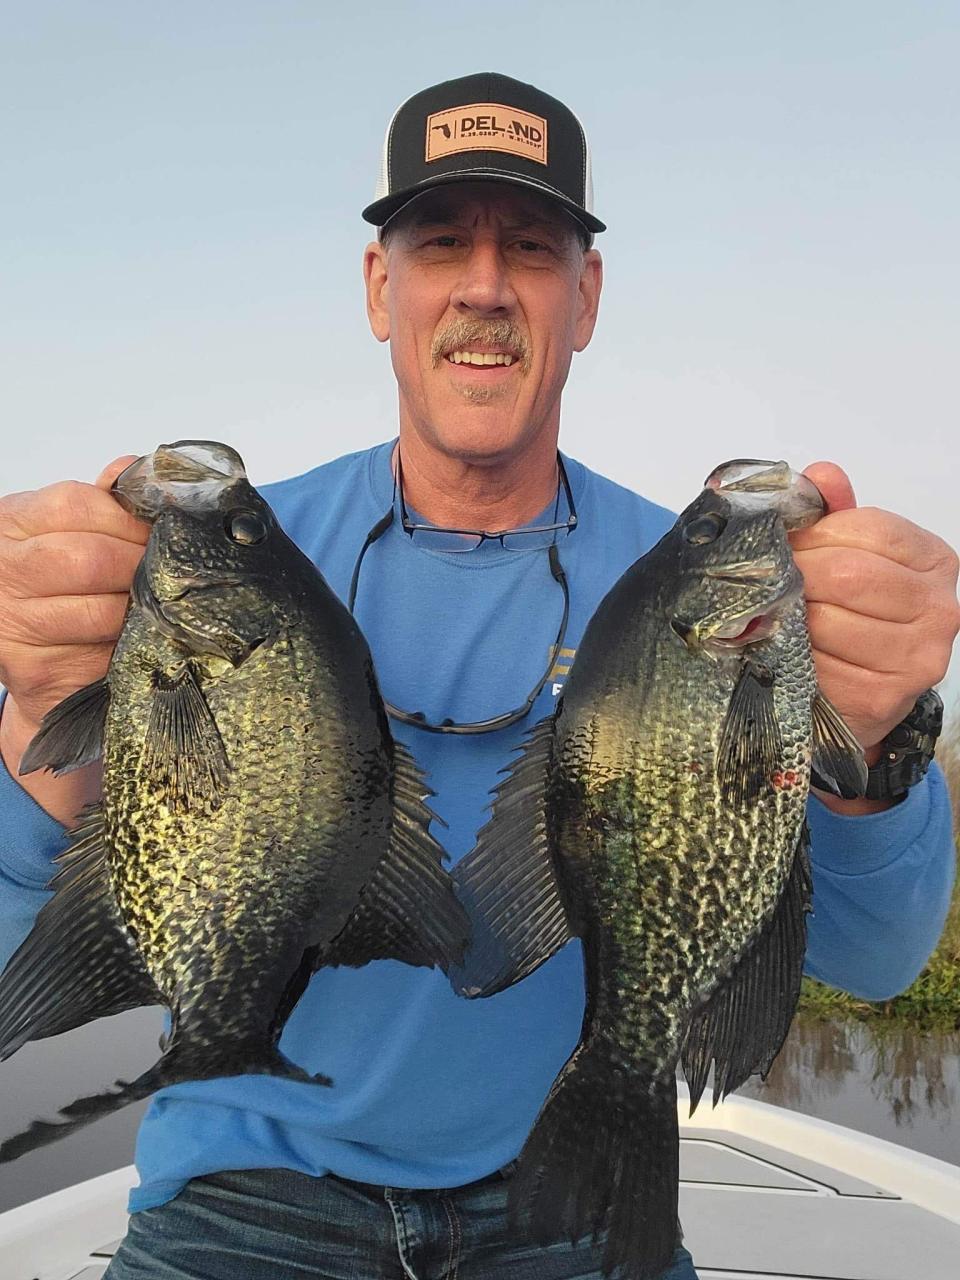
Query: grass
x: 933, y: 1001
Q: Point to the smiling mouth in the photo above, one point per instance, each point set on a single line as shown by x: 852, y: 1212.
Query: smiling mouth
x: 481, y: 359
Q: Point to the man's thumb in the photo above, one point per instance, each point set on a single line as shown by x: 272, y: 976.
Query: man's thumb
x: 113, y: 469
x: 834, y: 483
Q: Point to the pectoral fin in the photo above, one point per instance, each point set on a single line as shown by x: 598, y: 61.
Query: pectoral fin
x: 184, y: 752
x: 742, y: 1026
x: 79, y: 961
x: 749, y: 747
x: 71, y: 734
x: 508, y: 882
x: 838, y: 763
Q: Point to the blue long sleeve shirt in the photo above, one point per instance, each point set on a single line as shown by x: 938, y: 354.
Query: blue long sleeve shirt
x: 431, y: 1090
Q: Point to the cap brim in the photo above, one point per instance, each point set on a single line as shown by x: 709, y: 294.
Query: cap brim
x: 381, y: 211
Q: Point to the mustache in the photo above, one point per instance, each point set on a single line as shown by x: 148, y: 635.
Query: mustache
x: 460, y: 334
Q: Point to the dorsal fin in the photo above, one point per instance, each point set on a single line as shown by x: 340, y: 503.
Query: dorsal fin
x: 408, y: 910
x: 508, y: 882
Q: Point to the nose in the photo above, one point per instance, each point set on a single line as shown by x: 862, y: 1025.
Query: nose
x: 483, y: 286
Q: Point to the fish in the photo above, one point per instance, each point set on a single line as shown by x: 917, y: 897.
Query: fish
x: 658, y: 815
x: 258, y: 820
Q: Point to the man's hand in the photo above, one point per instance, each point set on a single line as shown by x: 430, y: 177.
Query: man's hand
x: 882, y: 607
x: 68, y: 554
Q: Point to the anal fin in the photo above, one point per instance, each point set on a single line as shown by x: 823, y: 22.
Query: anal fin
x: 71, y: 733
x: 79, y: 962
x: 741, y: 1028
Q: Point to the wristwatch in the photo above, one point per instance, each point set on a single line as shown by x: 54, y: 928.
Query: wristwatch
x: 907, y: 750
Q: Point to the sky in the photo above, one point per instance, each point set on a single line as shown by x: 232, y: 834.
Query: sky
x: 180, y: 215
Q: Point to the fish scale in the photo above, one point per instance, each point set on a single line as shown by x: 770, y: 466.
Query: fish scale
x: 667, y: 834
x: 260, y: 903
x: 257, y: 820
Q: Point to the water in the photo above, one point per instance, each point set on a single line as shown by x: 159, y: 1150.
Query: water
x: 883, y: 1079
x: 45, y: 1075
x: 888, y: 1081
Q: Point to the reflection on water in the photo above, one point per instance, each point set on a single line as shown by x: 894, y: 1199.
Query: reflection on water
x: 46, y: 1074
x: 888, y: 1080
x: 876, y: 1077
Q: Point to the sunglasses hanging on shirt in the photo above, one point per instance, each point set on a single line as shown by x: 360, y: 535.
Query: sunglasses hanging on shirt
x: 461, y: 542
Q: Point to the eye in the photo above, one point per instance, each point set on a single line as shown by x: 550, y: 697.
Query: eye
x: 246, y: 527
x: 704, y: 529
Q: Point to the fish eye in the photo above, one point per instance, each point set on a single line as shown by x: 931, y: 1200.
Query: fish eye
x: 246, y: 528
x: 704, y: 529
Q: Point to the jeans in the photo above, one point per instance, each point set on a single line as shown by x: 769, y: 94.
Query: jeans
x: 276, y: 1224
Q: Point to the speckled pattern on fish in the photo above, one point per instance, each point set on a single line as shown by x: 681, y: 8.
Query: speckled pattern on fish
x: 258, y: 819
x: 659, y: 817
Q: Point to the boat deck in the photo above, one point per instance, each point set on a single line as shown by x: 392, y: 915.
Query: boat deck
x: 766, y: 1194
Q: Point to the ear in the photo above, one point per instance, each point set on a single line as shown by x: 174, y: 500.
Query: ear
x: 375, y: 280
x: 591, y: 283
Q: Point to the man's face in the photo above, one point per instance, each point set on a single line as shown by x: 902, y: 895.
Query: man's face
x: 484, y: 293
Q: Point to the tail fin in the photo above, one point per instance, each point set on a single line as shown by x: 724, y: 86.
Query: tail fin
x: 175, y: 1067
x: 604, y: 1156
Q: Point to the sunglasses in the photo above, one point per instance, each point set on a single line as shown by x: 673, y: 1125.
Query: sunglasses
x: 463, y: 541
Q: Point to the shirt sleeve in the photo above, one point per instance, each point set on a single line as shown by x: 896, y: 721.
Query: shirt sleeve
x: 881, y: 890
x: 29, y: 842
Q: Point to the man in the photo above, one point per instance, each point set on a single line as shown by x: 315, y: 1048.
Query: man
x: 485, y: 283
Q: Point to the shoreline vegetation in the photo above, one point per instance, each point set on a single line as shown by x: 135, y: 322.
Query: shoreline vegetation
x: 932, y: 1002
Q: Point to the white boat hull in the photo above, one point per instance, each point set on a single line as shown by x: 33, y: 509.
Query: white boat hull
x: 765, y: 1194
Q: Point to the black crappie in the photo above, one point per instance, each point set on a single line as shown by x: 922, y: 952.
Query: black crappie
x: 659, y: 817
x: 257, y: 820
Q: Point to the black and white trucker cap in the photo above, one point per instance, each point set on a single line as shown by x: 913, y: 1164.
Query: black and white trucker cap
x: 485, y: 127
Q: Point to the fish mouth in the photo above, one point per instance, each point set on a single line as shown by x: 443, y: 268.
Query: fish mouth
x: 749, y: 571
x: 184, y: 587
x: 189, y: 473
x: 747, y: 629
x: 755, y: 484
x: 163, y: 613
x: 722, y: 633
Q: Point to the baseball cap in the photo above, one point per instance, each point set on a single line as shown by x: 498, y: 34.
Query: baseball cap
x: 485, y: 127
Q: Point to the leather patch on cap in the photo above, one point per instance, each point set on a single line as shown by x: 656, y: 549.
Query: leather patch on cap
x: 486, y: 126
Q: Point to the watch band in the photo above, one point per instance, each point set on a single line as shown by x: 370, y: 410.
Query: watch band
x: 907, y: 750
